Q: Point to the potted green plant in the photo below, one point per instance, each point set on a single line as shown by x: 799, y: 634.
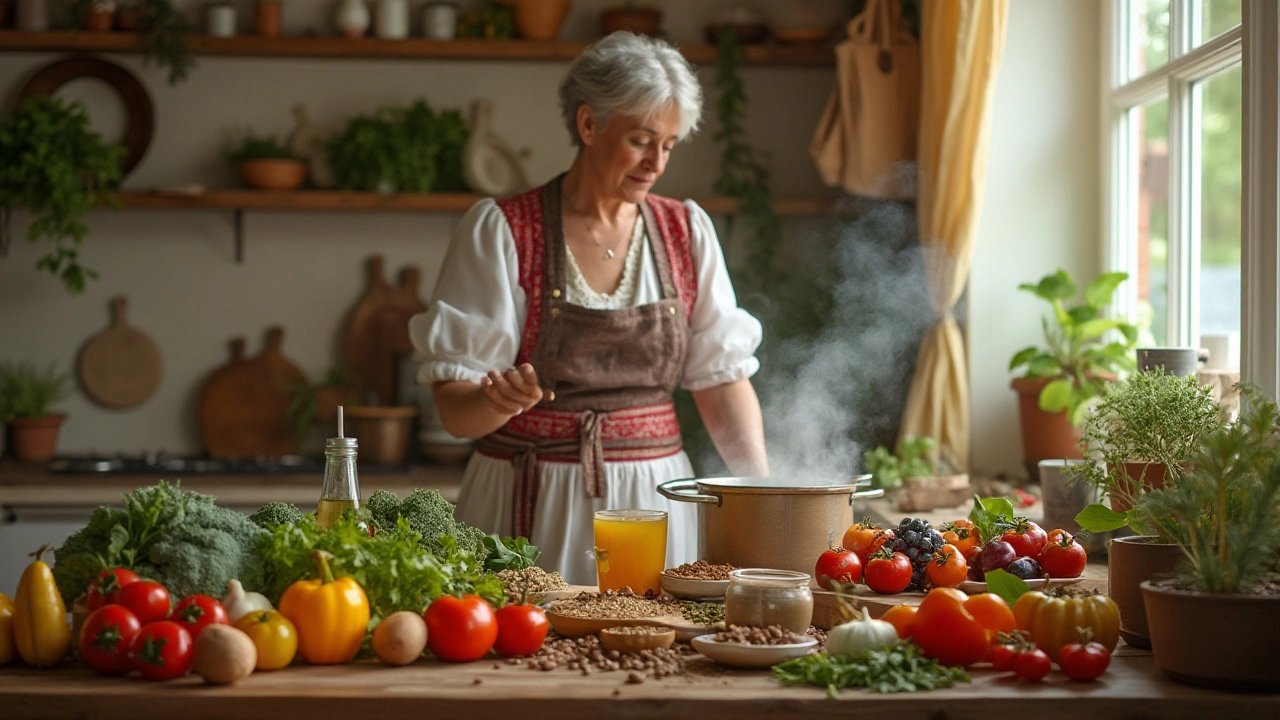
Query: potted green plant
x: 26, y: 394
x: 57, y: 169
x: 1223, y: 517
x: 163, y: 29
x: 400, y: 149
x: 266, y: 164
x: 1141, y: 435
x: 1071, y: 368
x: 912, y: 469
x: 319, y: 403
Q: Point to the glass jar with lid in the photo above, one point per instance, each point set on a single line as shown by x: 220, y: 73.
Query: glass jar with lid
x: 761, y: 597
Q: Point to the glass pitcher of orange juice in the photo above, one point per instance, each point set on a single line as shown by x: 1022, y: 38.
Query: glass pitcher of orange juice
x: 631, y: 549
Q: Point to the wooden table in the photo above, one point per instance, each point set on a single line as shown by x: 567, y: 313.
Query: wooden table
x: 1132, y: 688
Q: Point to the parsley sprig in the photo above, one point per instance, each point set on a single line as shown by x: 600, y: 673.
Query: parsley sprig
x: 899, y: 667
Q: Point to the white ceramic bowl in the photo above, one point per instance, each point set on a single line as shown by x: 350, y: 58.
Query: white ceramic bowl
x: 694, y: 589
x: 751, y: 656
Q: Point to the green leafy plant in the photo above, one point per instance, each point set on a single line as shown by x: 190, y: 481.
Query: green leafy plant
x: 911, y: 460
x: 506, y: 553
x: 494, y: 21
x: 900, y: 667
x: 1077, y: 358
x: 163, y: 38
x: 304, y: 408
x: 413, y: 149
x: 28, y: 392
x: 1224, y: 515
x: 253, y: 147
x: 1149, y: 418
x: 58, y: 169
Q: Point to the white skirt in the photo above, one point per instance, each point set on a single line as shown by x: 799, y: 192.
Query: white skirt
x: 562, y: 527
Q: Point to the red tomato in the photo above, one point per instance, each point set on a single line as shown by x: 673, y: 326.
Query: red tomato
x: 837, y: 565
x: 1027, y: 538
x: 1000, y: 657
x: 1084, y: 660
x: 888, y: 572
x: 865, y: 538
x: 962, y: 534
x: 196, y: 612
x: 947, y: 568
x: 991, y: 612
x: 1031, y: 664
x: 521, y: 630
x: 106, y: 589
x: 1062, y: 556
x: 460, y: 629
x: 162, y: 650
x: 149, y: 600
x: 106, y: 637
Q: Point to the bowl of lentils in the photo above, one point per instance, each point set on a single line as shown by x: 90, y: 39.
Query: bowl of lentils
x: 697, y: 580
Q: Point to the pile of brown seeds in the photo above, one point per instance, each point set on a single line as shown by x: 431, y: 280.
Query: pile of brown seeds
x: 638, y: 630
x: 585, y: 655
x: 772, y: 635
x: 701, y: 570
x: 537, y: 580
x: 622, y: 605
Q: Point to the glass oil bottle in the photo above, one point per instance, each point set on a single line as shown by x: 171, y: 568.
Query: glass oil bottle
x: 341, y: 489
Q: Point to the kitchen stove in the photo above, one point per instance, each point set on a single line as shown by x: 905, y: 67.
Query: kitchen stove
x: 161, y: 463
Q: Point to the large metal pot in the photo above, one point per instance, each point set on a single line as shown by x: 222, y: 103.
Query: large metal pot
x: 777, y: 523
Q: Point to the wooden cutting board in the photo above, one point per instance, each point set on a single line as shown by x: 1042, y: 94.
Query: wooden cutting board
x: 377, y: 333
x: 244, y: 404
x: 119, y: 367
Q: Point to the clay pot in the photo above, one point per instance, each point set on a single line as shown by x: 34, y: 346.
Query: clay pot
x: 1133, y: 561
x: 539, y: 19
x: 1152, y: 476
x: 641, y: 21
x: 34, y: 439
x: 1045, y: 436
x: 267, y: 18
x: 96, y: 20
x: 328, y: 398
x: 272, y: 174
x: 128, y: 20
x: 383, y: 432
x: 1238, y: 653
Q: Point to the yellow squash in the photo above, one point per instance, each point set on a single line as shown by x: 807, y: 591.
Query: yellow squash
x: 331, y: 616
x: 40, y: 617
x: 7, y: 649
x: 273, y: 635
x: 1051, y: 621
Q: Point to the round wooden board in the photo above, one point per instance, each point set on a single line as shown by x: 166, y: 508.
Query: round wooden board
x: 119, y: 367
x: 574, y: 627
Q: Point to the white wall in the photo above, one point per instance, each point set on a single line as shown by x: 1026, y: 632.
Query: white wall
x: 1041, y: 207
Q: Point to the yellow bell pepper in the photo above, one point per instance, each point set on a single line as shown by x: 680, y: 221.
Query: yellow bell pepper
x: 7, y: 649
x: 40, y: 617
x: 273, y: 635
x: 1051, y: 620
x: 331, y: 615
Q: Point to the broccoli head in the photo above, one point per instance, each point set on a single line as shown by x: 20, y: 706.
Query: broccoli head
x: 277, y: 513
x: 430, y: 515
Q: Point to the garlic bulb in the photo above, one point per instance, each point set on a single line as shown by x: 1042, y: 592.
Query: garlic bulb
x: 239, y: 603
x: 860, y: 635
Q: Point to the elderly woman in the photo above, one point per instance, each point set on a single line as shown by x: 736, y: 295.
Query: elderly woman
x: 564, y: 318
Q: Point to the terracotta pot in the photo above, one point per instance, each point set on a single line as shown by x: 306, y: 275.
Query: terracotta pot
x: 540, y: 19
x: 1236, y: 653
x: 383, y: 432
x: 34, y: 439
x: 272, y: 174
x: 328, y: 399
x: 267, y: 18
x: 1045, y: 436
x: 641, y: 21
x: 1151, y: 475
x: 99, y: 20
x: 1133, y: 561
x: 128, y: 20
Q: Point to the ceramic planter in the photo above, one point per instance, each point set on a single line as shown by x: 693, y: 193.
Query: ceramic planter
x: 540, y: 19
x: 272, y: 174
x: 1222, y: 641
x: 1045, y: 435
x: 268, y: 18
x: 383, y: 432
x: 1133, y: 561
x: 1151, y: 475
x: 34, y: 439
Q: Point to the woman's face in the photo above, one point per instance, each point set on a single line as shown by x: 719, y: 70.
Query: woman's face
x: 629, y: 154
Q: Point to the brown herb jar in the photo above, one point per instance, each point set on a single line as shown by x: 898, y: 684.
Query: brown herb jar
x: 760, y: 597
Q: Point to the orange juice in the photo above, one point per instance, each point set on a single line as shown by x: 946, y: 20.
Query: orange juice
x: 631, y: 549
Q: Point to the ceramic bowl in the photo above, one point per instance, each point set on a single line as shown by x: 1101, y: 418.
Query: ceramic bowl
x: 623, y: 642
x: 751, y: 656
x: 694, y: 589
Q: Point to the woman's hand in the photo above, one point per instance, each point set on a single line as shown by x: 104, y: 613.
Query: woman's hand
x: 513, y: 390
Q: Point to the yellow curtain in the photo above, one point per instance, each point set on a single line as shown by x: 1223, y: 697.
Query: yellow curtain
x: 961, y: 44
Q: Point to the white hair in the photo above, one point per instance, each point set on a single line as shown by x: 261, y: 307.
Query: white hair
x: 632, y: 75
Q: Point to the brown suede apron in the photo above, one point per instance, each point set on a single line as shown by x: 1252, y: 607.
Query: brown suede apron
x: 607, y: 377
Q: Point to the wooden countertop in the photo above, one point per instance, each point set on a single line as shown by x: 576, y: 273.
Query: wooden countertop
x: 33, y: 486
x: 1132, y: 687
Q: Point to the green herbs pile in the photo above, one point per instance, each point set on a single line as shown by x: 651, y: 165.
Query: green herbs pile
x: 900, y: 667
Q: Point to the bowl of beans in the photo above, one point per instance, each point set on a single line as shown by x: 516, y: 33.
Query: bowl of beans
x: 697, y: 580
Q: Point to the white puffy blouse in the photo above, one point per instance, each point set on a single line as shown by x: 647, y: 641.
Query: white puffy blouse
x: 474, y: 323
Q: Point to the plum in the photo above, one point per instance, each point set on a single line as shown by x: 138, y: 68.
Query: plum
x: 1025, y: 568
x: 996, y: 555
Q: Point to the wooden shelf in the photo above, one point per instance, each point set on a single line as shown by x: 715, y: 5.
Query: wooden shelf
x: 409, y: 48
x: 408, y: 202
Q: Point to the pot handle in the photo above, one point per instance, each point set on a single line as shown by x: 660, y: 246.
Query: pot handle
x: 678, y: 490
x: 862, y: 494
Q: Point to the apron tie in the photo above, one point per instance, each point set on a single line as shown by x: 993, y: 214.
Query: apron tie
x: 592, y: 454
x: 526, y: 490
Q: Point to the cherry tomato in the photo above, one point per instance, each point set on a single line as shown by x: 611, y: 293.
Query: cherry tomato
x: 106, y: 637
x: 1062, y: 556
x: 838, y: 565
x: 521, y: 630
x: 149, y: 600
x: 162, y: 650
x: 1084, y: 660
x: 962, y: 534
x: 106, y: 589
x: 460, y: 629
x: 1031, y: 664
x: 865, y: 538
x: 947, y: 568
x: 1000, y: 657
x: 196, y: 612
x: 888, y: 572
x: 901, y: 617
x: 1027, y: 538
x: 991, y: 612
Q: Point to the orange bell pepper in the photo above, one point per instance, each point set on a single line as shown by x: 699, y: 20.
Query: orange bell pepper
x: 330, y: 615
x: 956, y: 629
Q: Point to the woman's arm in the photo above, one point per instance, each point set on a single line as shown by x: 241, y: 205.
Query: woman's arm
x: 472, y: 410
x: 731, y: 412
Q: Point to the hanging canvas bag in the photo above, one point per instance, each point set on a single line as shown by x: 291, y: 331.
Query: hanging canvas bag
x: 866, y: 140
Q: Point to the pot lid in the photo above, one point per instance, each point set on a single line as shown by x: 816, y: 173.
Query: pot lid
x: 783, y: 486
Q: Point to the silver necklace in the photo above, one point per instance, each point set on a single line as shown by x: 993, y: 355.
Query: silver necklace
x: 609, y: 252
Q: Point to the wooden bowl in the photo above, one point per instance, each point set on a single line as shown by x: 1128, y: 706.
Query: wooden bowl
x: 650, y: 638
x: 271, y: 174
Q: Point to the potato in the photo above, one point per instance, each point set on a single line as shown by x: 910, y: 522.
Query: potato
x: 224, y: 654
x: 400, y: 638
